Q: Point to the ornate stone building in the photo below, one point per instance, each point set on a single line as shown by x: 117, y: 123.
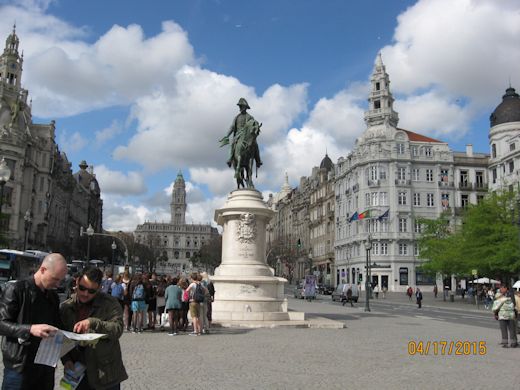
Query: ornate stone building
x: 504, y: 142
x: 301, y: 233
x: 41, y: 185
x: 392, y: 178
x: 176, y: 238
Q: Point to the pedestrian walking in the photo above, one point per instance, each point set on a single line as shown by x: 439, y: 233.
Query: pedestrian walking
x: 29, y: 312
x: 409, y: 292
x: 118, y: 291
x: 504, y: 311
x: 384, y: 290
x: 127, y: 300
x: 435, y: 291
x: 348, y: 296
x: 418, y: 297
x: 196, y: 298
x: 90, y: 310
x: 376, y: 291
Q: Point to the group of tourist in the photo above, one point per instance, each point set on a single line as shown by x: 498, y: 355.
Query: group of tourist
x: 30, y: 311
x: 164, y: 301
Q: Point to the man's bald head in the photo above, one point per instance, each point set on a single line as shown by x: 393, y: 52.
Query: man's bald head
x: 52, y: 271
x: 52, y: 260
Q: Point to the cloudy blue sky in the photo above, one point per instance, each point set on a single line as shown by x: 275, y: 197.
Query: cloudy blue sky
x: 142, y: 90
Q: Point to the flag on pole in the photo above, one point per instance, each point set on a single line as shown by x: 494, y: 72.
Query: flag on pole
x: 384, y: 215
x: 354, y: 217
x: 364, y: 214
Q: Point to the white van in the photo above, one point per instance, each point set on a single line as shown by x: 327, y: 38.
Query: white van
x: 339, y: 295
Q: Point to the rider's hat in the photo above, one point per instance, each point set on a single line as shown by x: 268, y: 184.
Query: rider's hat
x: 243, y: 102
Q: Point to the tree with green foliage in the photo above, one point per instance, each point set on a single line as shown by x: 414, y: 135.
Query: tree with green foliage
x: 209, y: 255
x: 490, y: 236
x: 487, y: 239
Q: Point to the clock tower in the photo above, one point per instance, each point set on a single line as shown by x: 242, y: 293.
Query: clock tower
x: 178, y: 203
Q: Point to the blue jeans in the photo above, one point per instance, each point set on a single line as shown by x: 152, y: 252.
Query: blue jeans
x: 12, y: 379
x: 34, y: 376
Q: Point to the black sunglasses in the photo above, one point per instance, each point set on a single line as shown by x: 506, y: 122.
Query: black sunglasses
x: 90, y: 290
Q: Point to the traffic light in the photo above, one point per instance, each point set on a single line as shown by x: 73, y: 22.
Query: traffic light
x: 360, y: 278
x: 299, y: 244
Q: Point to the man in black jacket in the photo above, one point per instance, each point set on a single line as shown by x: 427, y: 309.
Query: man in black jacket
x: 29, y: 311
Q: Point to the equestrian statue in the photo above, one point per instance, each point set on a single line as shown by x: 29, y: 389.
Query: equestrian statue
x: 244, y: 148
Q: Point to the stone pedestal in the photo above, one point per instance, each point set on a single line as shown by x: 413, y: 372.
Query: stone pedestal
x: 245, y: 286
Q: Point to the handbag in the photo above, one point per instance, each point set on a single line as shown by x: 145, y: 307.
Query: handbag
x: 165, y: 319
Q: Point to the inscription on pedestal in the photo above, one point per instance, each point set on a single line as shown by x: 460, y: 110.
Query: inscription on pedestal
x: 247, y: 289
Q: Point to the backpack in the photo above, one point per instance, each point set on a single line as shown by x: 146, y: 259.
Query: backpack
x: 118, y: 291
x: 138, y: 294
x: 198, y: 295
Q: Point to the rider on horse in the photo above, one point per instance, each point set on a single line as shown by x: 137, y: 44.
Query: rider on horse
x: 244, y: 148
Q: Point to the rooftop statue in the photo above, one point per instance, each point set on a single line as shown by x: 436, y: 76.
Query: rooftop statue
x: 244, y: 148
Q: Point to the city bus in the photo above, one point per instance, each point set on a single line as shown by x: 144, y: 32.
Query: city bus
x: 16, y: 265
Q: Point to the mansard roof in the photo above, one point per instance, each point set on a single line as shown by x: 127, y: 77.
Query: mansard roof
x: 419, y: 137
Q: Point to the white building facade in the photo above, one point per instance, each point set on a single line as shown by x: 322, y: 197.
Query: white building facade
x: 177, y: 239
x: 392, y: 178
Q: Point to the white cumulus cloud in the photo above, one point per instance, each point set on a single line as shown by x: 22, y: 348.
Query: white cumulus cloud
x: 116, y: 182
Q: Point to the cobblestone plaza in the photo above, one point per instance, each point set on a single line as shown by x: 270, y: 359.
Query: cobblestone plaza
x: 371, y: 352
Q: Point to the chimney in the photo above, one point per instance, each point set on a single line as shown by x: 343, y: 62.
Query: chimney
x: 469, y: 150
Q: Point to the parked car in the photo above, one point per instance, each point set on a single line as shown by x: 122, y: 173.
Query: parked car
x: 299, y: 291
x: 97, y: 263
x: 338, y: 295
x: 325, y: 290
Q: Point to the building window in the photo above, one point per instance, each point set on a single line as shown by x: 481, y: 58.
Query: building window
x: 416, y: 199
x: 378, y: 86
x: 479, y: 177
x: 429, y: 200
x: 176, y: 254
x: 464, y: 201
x: 188, y: 255
x: 444, y: 175
x: 429, y: 175
x: 494, y: 150
x: 511, y: 166
x: 480, y: 198
x: 512, y: 146
x: 416, y: 250
x: 402, y: 225
x: 367, y: 199
x: 377, y: 104
x: 383, y: 199
x: 400, y: 148
x: 374, y: 198
x: 428, y: 151
x: 373, y: 173
x: 384, y: 248
x: 375, y: 248
x: 415, y: 150
x: 494, y: 172
x: 417, y: 227
x: 401, y: 200
x: 445, y: 201
x: 401, y: 173
x: 403, y: 276
x: 415, y: 174
x: 403, y: 249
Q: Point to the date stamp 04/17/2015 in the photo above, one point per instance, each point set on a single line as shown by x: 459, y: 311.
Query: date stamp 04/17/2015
x: 447, y: 348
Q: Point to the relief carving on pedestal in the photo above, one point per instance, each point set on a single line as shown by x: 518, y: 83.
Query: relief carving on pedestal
x: 247, y: 228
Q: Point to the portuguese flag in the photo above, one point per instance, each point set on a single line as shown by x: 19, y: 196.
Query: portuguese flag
x: 364, y: 214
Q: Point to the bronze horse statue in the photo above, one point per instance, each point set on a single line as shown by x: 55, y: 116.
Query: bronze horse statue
x: 243, y: 153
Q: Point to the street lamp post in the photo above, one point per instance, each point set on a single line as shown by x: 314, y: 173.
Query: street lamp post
x: 27, y: 225
x: 5, y: 174
x: 114, y: 247
x: 90, y: 233
x: 310, y: 262
x: 368, y: 247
